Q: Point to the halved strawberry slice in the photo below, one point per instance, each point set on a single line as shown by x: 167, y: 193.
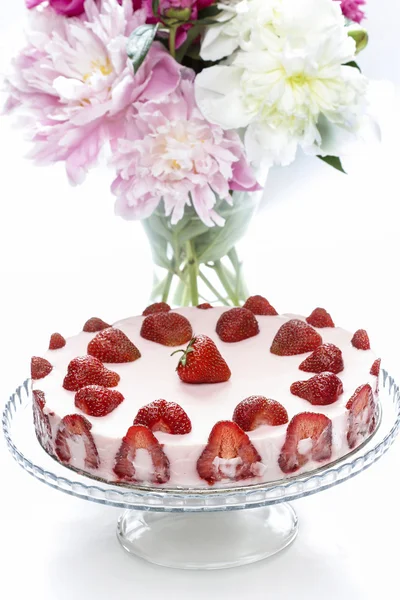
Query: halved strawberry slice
x: 360, y: 340
x: 94, y: 325
x: 237, y: 324
x: 204, y: 306
x: 161, y: 415
x: 375, y: 370
x: 259, y: 305
x: 362, y: 419
x: 42, y: 421
x: 139, y: 437
x: 254, y: 411
x: 295, y: 337
x: 168, y: 329
x: 76, y: 428
x: 316, y: 430
x: 97, y: 401
x: 320, y: 318
x: 202, y: 362
x: 87, y: 370
x: 57, y: 341
x: 157, y: 307
x: 229, y: 454
x: 113, y: 346
x: 324, y: 388
x: 40, y: 367
x: 376, y: 367
x: 327, y: 357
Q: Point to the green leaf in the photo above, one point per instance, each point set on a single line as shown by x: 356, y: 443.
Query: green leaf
x: 205, y: 21
x: 159, y: 224
x: 155, y: 6
x: 192, y: 35
x: 359, y: 35
x: 218, y: 241
x: 210, y: 11
x: 333, y: 161
x: 158, y: 245
x: 353, y: 63
x: 194, y: 228
x: 139, y: 44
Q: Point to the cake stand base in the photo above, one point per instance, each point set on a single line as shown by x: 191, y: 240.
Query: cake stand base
x: 207, y: 540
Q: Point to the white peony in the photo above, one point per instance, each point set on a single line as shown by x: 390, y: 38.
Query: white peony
x: 285, y: 81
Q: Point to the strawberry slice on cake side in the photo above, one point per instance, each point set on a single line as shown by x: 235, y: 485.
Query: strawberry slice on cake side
x: 141, y: 458
x: 76, y: 429
x: 362, y: 415
x: 229, y: 455
x: 308, y: 437
x: 42, y: 421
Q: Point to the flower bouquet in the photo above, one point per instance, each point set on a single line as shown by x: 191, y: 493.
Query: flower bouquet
x: 190, y: 102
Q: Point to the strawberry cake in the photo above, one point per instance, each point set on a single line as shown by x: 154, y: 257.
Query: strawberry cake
x: 206, y: 396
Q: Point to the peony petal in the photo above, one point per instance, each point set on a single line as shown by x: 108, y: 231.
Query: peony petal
x: 204, y: 200
x: 243, y: 177
x: 217, y: 44
x: 217, y: 88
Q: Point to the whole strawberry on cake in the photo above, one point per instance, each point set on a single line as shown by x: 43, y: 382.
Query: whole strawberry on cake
x: 205, y: 396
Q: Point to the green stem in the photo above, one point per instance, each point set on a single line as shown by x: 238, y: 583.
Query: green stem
x: 167, y: 286
x: 219, y: 269
x: 241, y: 288
x: 172, y: 40
x: 186, y: 296
x: 193, y: 272
x: 233, y: 257
x: 213, y: 289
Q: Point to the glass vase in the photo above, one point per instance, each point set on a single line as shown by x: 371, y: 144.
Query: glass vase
x: 195, y: 263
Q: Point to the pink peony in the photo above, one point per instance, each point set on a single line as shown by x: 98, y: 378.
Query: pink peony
x: 68, y: 8
x: 77, y: 85
x: 170, y: 152
x: 351, y: 9
x: 167, y: 7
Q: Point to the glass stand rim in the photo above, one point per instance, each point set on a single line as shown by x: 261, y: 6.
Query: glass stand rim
x: 27, y: 452
x: 204, y: 530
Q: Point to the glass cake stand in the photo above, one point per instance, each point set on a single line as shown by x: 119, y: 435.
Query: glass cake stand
x: 192, y: 528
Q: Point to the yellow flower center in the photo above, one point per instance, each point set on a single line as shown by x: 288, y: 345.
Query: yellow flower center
x: 105, y: 68
x: 299, y: 79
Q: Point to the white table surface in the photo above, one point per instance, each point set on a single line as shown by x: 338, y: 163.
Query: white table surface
x: 322, y: 239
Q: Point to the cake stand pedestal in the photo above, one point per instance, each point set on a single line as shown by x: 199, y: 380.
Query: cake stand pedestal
x: 212, y: 540
x: 192, y: 528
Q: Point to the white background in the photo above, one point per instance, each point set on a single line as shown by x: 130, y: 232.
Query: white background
x: 322, y: 239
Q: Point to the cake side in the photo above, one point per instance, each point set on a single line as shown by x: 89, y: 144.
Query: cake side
x: 255, y: 371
